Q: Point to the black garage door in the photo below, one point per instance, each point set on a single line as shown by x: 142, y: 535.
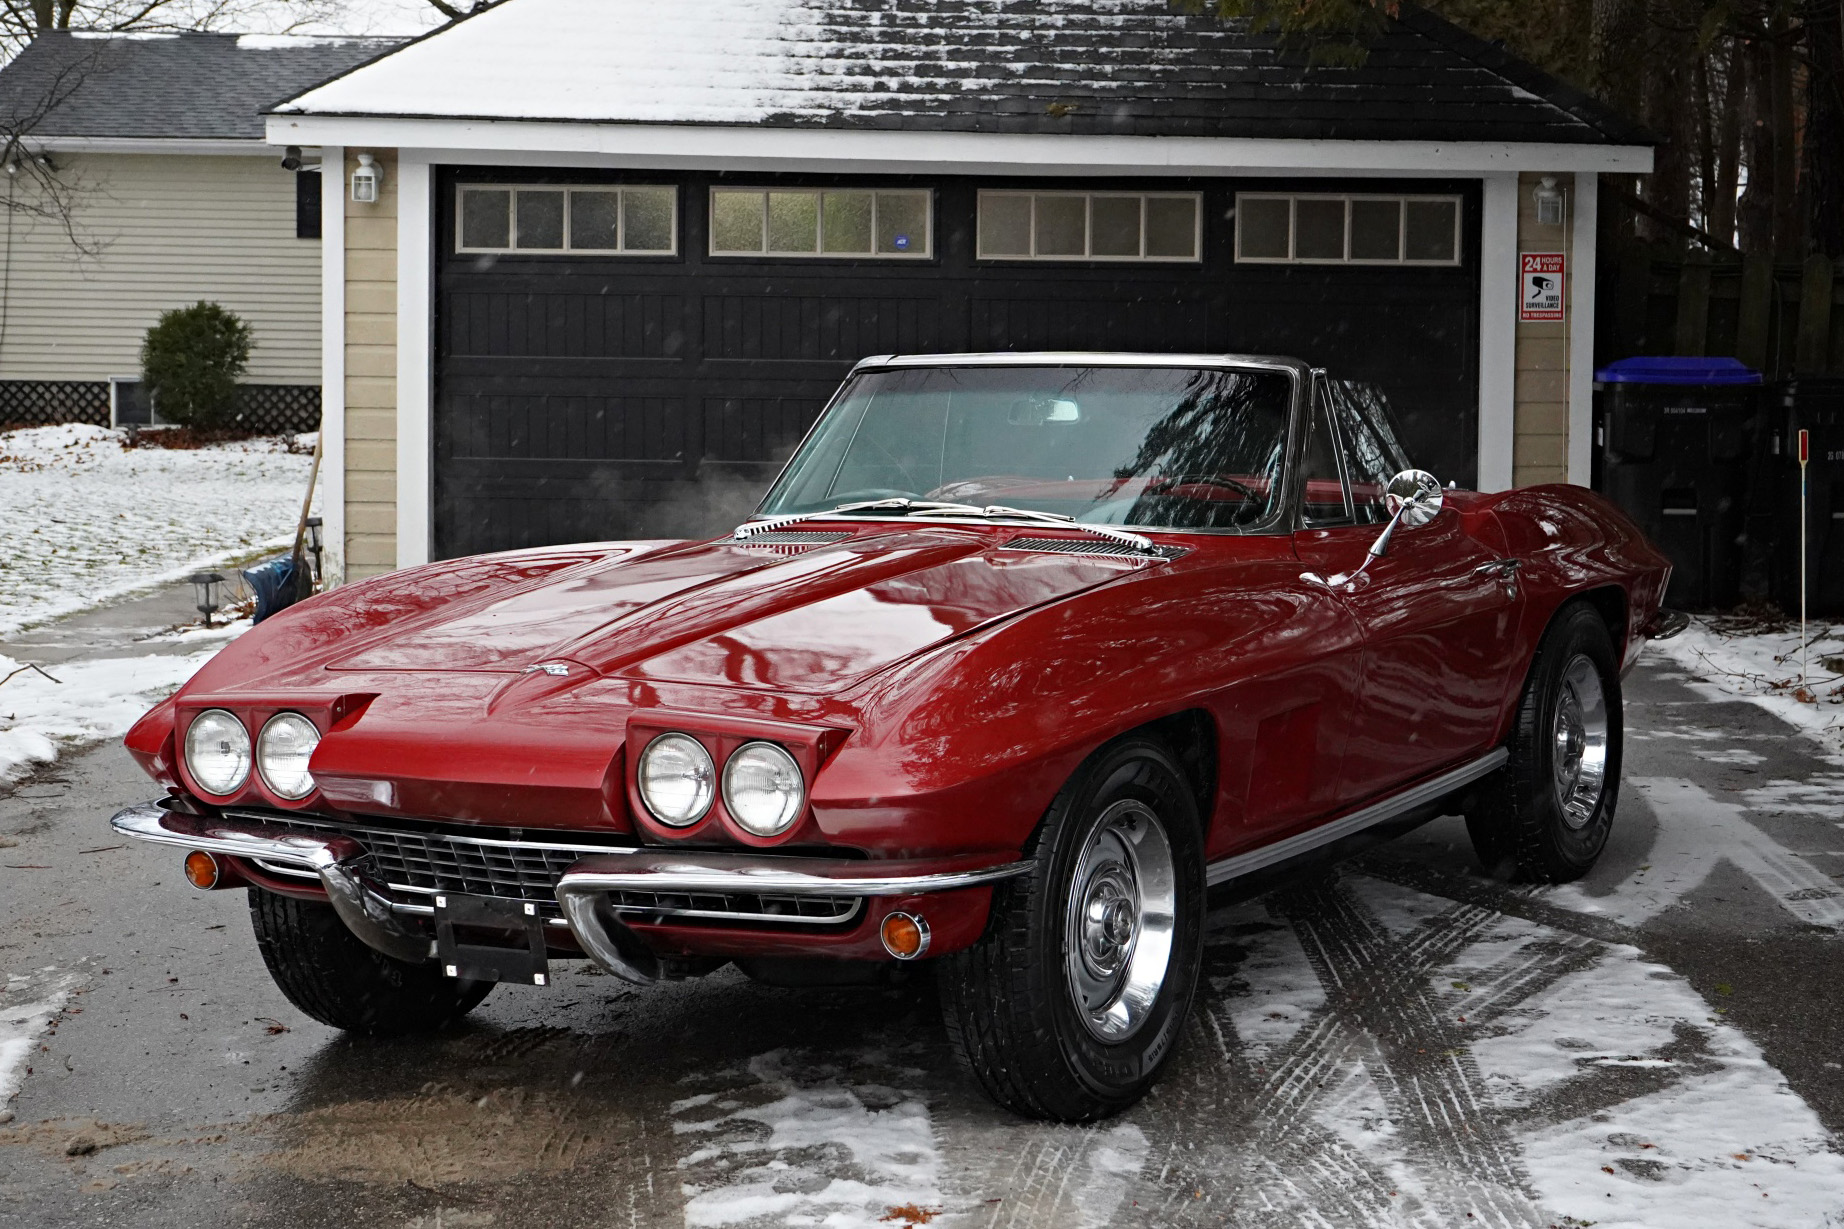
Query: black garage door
x: 585, y: 396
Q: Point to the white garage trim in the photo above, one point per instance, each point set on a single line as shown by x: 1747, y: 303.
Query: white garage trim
x: 415, y: 322
x: 333, y: 364
x: 700, y: 146
x: 1581, y: 329
x: 1498, y: 290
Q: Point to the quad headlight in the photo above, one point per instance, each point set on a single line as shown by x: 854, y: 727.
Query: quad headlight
x: 282, y: 751
x: 218, y: 752
x: 763, y: 790
x: 677, y: 779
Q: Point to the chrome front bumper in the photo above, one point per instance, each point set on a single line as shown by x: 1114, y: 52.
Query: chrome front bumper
x: 362, y: 904
x: 583, y: 892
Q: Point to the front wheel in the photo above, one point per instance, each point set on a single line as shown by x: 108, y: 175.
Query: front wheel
x: 1546, y: 816
x: 327, y: 972
x: 1072, y: 1003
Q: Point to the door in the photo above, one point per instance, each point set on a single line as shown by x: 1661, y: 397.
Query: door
x: 1437, y: 614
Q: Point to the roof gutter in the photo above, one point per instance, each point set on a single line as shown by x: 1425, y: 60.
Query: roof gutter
x: 217, y: 146
x: 759, y: 147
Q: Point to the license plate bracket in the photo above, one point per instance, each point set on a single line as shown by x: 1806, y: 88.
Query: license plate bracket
x: 487, y: 938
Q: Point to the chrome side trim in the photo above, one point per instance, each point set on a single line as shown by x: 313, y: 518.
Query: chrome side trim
x: 1376, y: 813
x: 360, y: 903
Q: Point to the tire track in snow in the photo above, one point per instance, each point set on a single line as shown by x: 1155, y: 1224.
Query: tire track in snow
x: 798, y: 1137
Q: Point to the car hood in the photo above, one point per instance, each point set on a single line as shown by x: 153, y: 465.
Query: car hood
x: 800, y: 617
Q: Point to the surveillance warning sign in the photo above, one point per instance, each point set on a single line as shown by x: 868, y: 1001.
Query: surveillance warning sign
x: 1541, y: 292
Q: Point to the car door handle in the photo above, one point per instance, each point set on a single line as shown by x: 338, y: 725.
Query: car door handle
x: 1499, y: 567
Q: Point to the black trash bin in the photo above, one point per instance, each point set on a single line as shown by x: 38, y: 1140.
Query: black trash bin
x: 1815, y: 404
x: 1677, y: 438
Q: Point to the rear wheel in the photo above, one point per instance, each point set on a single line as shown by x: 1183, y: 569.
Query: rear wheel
x: 327, y: 972
x: 1546, y: 816
x: 1072, y: 1003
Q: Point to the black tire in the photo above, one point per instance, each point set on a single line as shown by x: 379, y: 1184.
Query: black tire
x: 1009, y: 1001
x: 1519, y: 824
x: 327, y: 972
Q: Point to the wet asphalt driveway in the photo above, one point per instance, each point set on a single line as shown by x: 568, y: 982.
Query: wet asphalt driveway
x: 1396, y: 1041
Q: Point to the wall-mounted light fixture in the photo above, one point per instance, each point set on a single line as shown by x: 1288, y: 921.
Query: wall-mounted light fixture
x: 291, y: 158
x: 1549, y: 201
x: 365, y: 181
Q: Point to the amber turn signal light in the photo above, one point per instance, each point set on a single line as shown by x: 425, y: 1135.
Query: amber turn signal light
x: 202, y: 870
x: 905, y: 935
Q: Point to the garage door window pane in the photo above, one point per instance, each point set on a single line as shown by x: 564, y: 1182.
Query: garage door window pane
x: 793, y: 222
x: 1376, y: 230
x: 595, y: 221
x: 902, y: 223
x: 648, y: 219
x: 1062, y: 226
x: 1116, y: 223
x: 847, y: 219
x: 736, y: 221
x: 540, y: 220
x: 1318, y: 229
x: 1005, y: 225
x: 1431, y: 231
x: 486, y: 218
x: 1171, y: 227
x: 1264, y: 227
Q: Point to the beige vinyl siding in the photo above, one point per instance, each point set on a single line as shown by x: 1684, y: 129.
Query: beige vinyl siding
x: 1540, y: 443
x: 371, y: 377
x: 172, y: 229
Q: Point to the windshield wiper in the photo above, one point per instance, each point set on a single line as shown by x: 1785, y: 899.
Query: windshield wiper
x: 922, y: 507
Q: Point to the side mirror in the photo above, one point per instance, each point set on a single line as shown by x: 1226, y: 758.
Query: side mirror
x: 1413, y: 498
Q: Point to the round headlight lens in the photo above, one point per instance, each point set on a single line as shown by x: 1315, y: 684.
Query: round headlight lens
x: 218, y: 752
x: 763, y: 789
x: 677, y: 779
x: 282, y: 751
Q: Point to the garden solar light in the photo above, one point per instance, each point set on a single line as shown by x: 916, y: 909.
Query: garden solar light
x: 314, y: 542
x: 206, y: 587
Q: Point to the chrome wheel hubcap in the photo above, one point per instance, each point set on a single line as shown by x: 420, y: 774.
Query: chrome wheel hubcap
x: 1580, y: 755
x: 1122, y: 913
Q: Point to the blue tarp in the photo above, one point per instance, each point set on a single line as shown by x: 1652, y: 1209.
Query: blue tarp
x: 274, y: 585
x: 1669, y: 369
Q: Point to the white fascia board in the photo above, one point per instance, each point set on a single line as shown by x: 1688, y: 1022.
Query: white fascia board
x: 694, y: 146
x: 153, y: 145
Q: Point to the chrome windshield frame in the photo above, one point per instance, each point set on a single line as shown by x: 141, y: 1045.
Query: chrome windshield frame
x: 1285, y: 521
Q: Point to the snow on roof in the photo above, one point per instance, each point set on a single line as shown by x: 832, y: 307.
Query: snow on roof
x: 1132, y: 67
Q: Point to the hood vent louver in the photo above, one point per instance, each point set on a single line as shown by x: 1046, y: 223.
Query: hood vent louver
x: 1079, y: 546
x: 785, y: 538
x: 791, y: 541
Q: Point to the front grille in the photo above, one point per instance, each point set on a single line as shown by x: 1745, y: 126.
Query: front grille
x: 1081, y: 546
x: 420, y: 862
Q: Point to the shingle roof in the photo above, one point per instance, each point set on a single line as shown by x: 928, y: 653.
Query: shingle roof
x: 1134, y: 67
x: 175, y: 86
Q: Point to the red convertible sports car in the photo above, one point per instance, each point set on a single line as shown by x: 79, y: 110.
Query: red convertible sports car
x: 1021, y: 654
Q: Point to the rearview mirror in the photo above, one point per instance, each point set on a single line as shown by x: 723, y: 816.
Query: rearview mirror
x: 1413, y: 498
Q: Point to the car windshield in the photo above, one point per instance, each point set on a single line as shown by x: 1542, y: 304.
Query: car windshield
x: 1156, y: 447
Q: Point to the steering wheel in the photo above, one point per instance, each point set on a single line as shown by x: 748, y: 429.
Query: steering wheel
x: 1251, y: 502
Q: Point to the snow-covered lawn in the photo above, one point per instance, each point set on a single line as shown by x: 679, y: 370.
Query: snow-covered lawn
x: 43, y: 711
x: 84, y: 520
x: 1759, y: 661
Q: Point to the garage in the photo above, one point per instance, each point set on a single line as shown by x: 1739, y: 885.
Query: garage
x: 597, y: 287
x: 630, y: 356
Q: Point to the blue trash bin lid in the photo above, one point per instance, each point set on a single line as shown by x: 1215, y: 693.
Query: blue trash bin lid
x: 1674, y: 369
